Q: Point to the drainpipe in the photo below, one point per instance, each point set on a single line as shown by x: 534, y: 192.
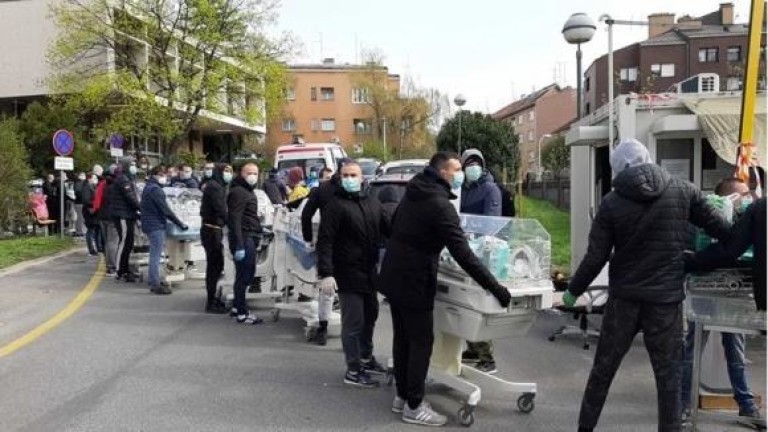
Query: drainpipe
x: 687, y: 40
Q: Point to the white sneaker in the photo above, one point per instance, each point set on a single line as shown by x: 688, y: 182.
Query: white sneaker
x: 423, y: 415
x: 398, y: 404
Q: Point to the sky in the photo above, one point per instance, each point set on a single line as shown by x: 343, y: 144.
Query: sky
x: 490, y: 51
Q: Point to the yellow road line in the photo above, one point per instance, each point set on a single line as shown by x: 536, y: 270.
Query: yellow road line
x: 60, y: 317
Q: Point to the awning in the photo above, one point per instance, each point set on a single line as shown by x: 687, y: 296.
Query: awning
x: 719, y: 118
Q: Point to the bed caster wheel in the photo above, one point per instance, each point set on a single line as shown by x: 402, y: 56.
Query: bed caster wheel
x: 525, y: 402
x: 585, y: 347
x: 275, y: 315
x: 551, y: 338
x: 466, y: 415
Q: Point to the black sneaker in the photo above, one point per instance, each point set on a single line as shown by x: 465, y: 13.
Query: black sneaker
x: 488, y: 367
x: 469, y: 357
x: 215, y: 307
x: 360, y: 379
x: 321, y: 337
x: 373, y: 366
x: 249, y: 318
x: 161, y: 290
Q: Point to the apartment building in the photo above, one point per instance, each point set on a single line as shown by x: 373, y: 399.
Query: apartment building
x: 674, y: 51
x: 535, y: 116
x: 331, y: 102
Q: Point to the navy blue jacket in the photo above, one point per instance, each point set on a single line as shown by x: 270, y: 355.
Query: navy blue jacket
x: 154, y: 209
x: 482, y: 197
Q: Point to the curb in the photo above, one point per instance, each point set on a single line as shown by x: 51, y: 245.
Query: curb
x: 42, y: 260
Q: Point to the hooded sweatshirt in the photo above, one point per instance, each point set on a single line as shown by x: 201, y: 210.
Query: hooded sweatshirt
x: 481, y: 197
x: 213, y: 209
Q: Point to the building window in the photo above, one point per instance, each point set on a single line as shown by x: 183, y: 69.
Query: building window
x: 665, y: 70
x: 290, y: 94
x: 708, y: 55
x: 327, y: 93
x: 362, y: 126
x: 289, y: 125
x: 531, y: 115
x: 734, y: 54
x: 313, y: 93
x: 361, y: 95
x: 530, y: 136
x: 315, y: 126
x: 733, y: 83
x: 531, y: 156
x: 586, y: 84
x: 520, y: 120
x: 328, y: 125
x: 588, y: 108
x: 512, y: 121
x: 628, y: 74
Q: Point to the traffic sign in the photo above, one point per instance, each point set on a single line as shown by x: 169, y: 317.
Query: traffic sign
x: 63, y: 142
x: 61, y: 163
x: 116, y: 141
x: 116, y: 152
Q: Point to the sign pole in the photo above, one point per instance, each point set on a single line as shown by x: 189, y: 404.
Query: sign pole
x: 63, y: 145
x: 61, y: 204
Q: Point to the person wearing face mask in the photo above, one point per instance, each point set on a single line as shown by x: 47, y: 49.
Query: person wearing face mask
x: 102, y: 205
x: 124, y: 211
x: 299, y: 189
x: 92, y: 235
x: 213, y: 211
x: 51, y: 190
x: 154, y: 216
x: 208, y: 169
x: 78, y: 186
x: 173, y: 175
x: 244, y: 236
x: 733, y: 343
x: 425, y: 223
x: 185, y: 177
x: 479, y: 196
x: 274, y: 188
x: 347, y: 253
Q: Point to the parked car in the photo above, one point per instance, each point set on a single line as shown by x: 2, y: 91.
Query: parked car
x: 369, y: 167
x: 398, y: 182
x: 405, y: 166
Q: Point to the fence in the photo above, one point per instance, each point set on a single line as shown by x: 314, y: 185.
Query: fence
x: 555, y: 190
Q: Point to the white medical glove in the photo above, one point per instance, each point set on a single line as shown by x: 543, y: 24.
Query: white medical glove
x: 327, y: 285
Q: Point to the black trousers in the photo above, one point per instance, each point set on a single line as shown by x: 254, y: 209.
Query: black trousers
x: 359, y: 312
x: 126, y: 231
x: 662, y: 326
x: 411, y: 351
x: 214, y: 258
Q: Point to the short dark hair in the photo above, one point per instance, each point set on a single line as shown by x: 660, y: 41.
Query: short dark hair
x: 726, y: 185
x: 441, y: 158
x: 157, y: 170
x: 326, y: 170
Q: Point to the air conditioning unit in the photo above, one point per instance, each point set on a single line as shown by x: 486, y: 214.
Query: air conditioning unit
x: 701, y: 83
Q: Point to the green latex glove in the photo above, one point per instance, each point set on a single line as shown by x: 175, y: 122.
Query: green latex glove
x: 569, y: 299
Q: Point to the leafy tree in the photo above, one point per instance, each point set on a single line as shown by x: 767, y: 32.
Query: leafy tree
x: 495, y: 139
x: 556, y: 156
x: 14, y: 174
x: 374, y: 149
x: 200, y: 56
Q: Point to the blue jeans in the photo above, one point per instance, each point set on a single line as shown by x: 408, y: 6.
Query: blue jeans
x: 156, y: 248
x: 93, y: 239
x: 245, y: 270
x: 733, y: 344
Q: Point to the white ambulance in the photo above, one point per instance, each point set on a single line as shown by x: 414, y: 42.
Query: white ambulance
x: 308, y: 156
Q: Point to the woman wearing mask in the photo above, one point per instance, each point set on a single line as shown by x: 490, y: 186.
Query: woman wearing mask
x: 92, y: 235
x: 154, y: 215
x: 214, y: 217
x: 299, y: 189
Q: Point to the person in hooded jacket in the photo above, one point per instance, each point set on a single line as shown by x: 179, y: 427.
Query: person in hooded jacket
x: 641, y: 228
x: 244, y: 237
x: 124, y: 211
x: 92, y: 236
x: 213, y: 211
x: 318, y: 198
x: 102, y: 205
x: 155, y: 214
x: 426, y: 222
x: 389, y: 200
x: 274, y: 188
x: 479, y: 196
x: 208, y: 169
x: 347, y: 254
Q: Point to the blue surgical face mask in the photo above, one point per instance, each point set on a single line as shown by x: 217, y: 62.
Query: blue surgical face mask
x: 473, y: 172
x: 351, y: 184
x: 458, y: 180
x: 745, y: 202
x: 227, y: 176
x: 208, y: 173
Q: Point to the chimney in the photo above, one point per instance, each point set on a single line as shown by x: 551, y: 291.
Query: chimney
x: 328, y: 61
x: 688, y: 22
x: 659, y: 23
x: 726, y: 13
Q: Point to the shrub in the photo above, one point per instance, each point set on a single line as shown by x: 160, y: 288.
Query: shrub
x: 14, y: 174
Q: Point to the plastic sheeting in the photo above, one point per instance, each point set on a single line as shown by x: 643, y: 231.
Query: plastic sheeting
x: 720, y: 117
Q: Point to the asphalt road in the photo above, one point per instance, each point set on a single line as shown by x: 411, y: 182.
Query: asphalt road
x: 132, y: 361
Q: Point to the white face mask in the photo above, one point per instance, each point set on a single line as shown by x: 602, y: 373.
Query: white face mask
x: 132, y: 170
x: 252, y: 179
x: 98, y: 171
x: 208, y: 172
x: 81, y: 177
x: 94, y: 180
x: 227, y: 176
x: 186, y: 175
x: 162, y: 180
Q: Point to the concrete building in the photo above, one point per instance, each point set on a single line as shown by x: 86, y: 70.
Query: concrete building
x: 27, y: 30
x: 540, y: 113
x: 329, y: 102
x: 674, y: 51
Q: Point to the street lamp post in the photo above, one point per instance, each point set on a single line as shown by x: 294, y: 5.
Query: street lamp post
x: 539, y: 171
x: 577, y: 30
x: 459, y: 100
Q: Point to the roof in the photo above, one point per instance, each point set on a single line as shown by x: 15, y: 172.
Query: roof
x: 678, y: 35
x: 523, y: 103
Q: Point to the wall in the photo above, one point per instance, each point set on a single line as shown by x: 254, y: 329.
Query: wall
x: 26, y: 30
x: 653, y: 54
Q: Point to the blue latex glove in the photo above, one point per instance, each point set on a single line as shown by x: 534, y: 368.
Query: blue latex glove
x: 569, y: 299
x: 239, y: 254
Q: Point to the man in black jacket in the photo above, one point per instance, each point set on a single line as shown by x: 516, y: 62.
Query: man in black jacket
x: 213, y: 211
x: 425, y: 223
x: 124, y: 210
x: 644, y: 222
x: 275, y: 188
x: 318, y: 198
x: 347, y: 254
x: 244, y: 234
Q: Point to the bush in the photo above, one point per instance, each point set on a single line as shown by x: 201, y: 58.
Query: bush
x: 14, y: 174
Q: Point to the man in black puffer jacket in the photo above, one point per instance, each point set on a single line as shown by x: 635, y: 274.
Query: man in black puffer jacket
x: 425, y: 223
x: 124, y: 211
x: 645, y: 222
x: 347, y: 253
x: 318, y: 198
x: 213, y: 211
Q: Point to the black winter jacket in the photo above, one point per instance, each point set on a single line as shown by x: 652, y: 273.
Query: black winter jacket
x: 243, y: 217
x: 749, y: 231
x: 645, y: 221
x: 351, y: 229
x: 213, y: 209
x: 87, y: 193
x: 122, y: 198
x: 275, y: 190
x: 318, y: 198
x: 424, y: 224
